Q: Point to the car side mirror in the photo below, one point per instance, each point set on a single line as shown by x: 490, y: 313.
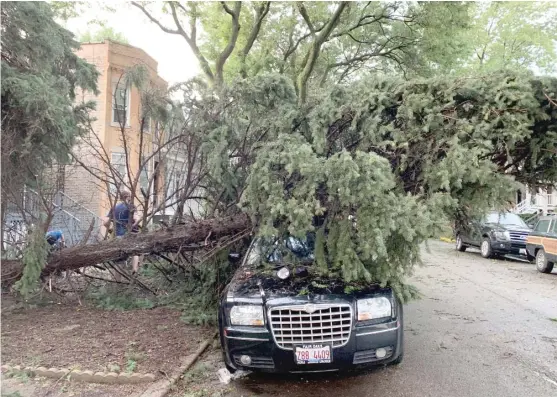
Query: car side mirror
x: 234, y: 257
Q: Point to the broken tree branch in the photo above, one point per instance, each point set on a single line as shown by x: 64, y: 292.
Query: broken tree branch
x: 167, y: 240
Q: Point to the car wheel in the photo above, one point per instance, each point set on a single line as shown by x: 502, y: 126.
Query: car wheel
x: 542, y: 264
x: 227, y: 365
x: 485, y: 248
x: 530, y: 257
x: 459, y: 244
x: 399, y: 359
x: 400, y: 356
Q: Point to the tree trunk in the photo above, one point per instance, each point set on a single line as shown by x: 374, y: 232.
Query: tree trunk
x: 186, y: 237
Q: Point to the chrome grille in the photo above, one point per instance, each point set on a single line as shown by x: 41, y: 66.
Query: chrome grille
x: 294, y: 325
x: 518, y: 237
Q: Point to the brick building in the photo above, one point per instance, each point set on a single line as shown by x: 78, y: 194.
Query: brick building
x: 117, y: 105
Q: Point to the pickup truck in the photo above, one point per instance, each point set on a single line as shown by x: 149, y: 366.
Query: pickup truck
x: 541, y: 244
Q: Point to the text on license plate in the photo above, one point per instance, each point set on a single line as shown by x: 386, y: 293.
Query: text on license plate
x: 313, y: 354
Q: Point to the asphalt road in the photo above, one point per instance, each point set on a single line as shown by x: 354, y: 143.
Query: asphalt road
x: 482, y: 328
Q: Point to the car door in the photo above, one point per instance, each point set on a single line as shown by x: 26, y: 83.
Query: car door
x: 549, y: 241
x: 540, y: 232
x: 475, y: 231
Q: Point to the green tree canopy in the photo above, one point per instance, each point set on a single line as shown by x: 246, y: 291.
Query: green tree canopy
x: 311, y: 42
x: 104, y: 33
x: 319, y: 43
x: 512, y: 35
x: 41, y: 76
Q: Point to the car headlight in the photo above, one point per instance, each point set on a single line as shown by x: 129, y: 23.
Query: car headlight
x: 502, y: 235
x: 372, y: 308
x: 247, y: 315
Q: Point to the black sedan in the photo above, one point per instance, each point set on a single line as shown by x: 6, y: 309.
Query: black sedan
x: 286, y: 320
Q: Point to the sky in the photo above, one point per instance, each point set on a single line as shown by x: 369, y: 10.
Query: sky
x: 176, y: 62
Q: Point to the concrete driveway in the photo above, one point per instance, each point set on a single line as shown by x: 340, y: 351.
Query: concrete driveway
x: 482, y: 328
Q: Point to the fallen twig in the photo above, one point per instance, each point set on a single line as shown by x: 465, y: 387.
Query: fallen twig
x: 100, y: 278
x: 552, y: 101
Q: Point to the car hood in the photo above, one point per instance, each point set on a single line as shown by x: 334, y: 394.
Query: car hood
x: 252, y: 284
x: 511, y: 228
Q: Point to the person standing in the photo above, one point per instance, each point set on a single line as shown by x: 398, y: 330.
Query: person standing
x: 121, y: 214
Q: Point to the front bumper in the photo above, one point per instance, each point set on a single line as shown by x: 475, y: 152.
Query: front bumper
x: 509, y: 247
x: 268, y: 357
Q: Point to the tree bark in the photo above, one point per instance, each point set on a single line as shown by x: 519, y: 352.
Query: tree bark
x: 315, y: 48
x: 186, y: 237
x: 260, y: 15
x: 235, y: 30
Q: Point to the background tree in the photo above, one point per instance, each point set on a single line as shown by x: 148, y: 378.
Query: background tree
x: 323, y: 41
x: 512, y: 35
x: 41, y: 118
x: 104, y: 33
x: 40, y: 77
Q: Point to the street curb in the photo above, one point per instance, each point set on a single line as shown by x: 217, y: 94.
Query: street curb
x: 447, y: 240
x: 83, y: 376
x: 162, y: 387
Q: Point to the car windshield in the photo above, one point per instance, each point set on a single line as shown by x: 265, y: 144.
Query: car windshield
x: 277, y: 250
x: 505, y: 219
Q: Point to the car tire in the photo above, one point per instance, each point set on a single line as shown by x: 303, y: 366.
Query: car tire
x: 459, y: 244
x: 485, y: 248
x: 228, y: 366
x: 224, y: 355
x: 542, y: 264
x: 398, y: 360
x: 530, y: 258
x: 400, y: 356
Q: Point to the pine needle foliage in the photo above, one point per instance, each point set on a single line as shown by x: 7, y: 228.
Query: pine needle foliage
x: 375, y: 168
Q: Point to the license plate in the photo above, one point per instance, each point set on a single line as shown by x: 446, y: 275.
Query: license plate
x: 313, y: 354
x: 522, y: 251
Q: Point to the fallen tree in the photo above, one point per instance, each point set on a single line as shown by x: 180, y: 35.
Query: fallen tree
x: 398, y: 156
x: 187, y: 237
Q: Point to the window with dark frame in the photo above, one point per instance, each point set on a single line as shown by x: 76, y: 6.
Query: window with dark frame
x: 120, y: 104
x: 147, y: 124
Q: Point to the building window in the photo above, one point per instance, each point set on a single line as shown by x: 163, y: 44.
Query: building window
x: 147, y: 124
x: 156, y: 187
x: 121, y: 104
x: 118, y: 170
x: 144, y: 175
x: 157, y: 130
x: 174, y: 172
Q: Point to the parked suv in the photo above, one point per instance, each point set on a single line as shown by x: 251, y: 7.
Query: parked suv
x: 499, y: 233
x: 542, y: 244
x: 278, y: 317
